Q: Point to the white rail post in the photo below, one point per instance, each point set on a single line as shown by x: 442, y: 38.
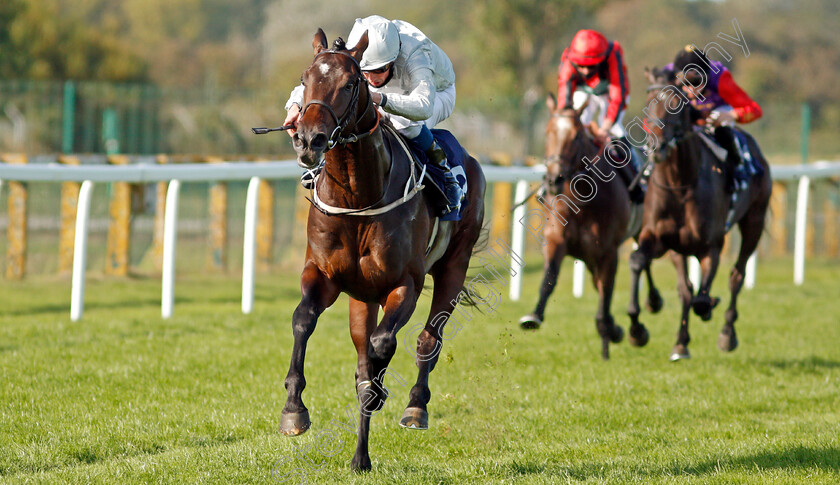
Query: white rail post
x: 749, y: 278
x: 249, y: 245
x: 170, y: 233
x: 801, y: 226
x: 578, y: 278
x: 695, y: 273
x: 517, y: 239
x: 77, y: 290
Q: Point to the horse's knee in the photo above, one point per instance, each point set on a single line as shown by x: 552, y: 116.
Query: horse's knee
x: 638, y: 261
x: 382, y: 347
x: 303, y: 319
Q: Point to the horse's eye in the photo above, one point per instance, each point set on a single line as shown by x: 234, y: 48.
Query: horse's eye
x: 348, y: 86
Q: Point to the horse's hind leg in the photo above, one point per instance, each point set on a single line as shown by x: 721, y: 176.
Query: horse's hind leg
x: 554, y: 253
x: 750, y: 226
x: 604, y: 279
x: 448, y: 287
x: 318, y: 293
x: 685, y: 290
x: 362, y: 324
x: 654, y: 300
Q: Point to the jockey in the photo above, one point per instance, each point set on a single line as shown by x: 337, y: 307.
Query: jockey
x: 411, y: 81
x: 592, y: 71
x: 721, y: 102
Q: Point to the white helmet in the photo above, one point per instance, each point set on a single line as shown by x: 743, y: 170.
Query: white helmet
x: 383, y: 43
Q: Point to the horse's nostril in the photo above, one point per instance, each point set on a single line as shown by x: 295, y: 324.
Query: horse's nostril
x: 318, y: 142
x: 297, y: 141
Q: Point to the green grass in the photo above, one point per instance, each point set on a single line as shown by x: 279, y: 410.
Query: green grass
x: 126, y: 397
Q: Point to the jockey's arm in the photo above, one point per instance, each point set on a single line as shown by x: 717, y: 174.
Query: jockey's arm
x: 419, y: 103
x: 744, y: 108
x: 566, y: 83
x: 293, y: 108
x: 619, y: 88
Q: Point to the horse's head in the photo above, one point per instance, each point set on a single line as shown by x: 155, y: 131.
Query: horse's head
x: 333, y: 86
x: 565, y: 141
x: 667, y: 111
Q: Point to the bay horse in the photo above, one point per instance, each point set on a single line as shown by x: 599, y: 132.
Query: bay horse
x: 591, y: 229
x: 368, y: 236
x: 686, y: 211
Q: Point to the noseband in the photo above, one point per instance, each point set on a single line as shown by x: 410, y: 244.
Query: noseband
x: 336, y: 137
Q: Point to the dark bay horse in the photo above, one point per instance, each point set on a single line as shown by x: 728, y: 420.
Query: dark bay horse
x: 370, y: 240
x: 587, y: 226
x: 686, y: 209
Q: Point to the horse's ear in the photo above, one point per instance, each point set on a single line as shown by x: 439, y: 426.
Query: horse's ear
x: 551, y: 103
x: 360, y: 47
x: 650, y: 74
x: 319, y: 41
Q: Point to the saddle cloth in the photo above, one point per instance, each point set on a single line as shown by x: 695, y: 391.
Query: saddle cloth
x: 434, y: 181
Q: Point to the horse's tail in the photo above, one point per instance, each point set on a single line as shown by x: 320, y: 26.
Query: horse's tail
x: 481, y: 244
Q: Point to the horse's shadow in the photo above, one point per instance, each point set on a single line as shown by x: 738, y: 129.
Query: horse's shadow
x: 795, y: 457
x: 805, y: 363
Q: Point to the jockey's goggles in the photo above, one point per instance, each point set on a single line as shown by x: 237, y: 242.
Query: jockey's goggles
x: 381, y: 70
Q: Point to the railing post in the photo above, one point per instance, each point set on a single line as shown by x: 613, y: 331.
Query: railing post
x: 749, y: 278
x: 695, y: 273
x: 249, y: 245
x: 518, y: 240
x: 69, y: 208
x: 801, y: 230
x: 170, y: 233
x: 77, y: 291
x: 578, y: 277
x: 16, y: 233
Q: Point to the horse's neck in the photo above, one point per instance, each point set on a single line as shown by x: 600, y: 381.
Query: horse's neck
x: 684, y: 167
x: 356, y: 174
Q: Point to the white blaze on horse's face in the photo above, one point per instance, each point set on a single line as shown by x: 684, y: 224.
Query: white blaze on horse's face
x: 324, y: 68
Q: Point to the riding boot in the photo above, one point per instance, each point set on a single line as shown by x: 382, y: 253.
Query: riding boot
x: 451, y: 188
x: 726, y: 138
x: 628, y: 173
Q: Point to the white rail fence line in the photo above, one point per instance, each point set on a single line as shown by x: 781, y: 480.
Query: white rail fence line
x: 145, y: 172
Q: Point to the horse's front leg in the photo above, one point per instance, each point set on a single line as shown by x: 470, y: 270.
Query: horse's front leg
x: 680, y: 350
x: 399, y: 305
x: 318, y: 293
x: 554, y: 252
x: 604, y: 279
x: 639, y: 261
x: 703, y: 303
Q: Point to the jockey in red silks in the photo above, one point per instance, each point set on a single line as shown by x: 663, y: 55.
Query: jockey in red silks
x: 720, y: 102
x: 592, y: 71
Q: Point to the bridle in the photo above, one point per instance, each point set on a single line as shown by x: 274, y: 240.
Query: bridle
x: 336, y: 137
x: 679, y: 134
x: 567, y: 159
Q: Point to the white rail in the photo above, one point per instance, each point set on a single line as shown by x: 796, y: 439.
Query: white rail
x: 175, y: 174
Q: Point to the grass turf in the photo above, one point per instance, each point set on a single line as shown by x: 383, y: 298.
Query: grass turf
x: 126, y: 397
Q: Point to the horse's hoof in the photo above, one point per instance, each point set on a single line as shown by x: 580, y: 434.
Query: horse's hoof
x: 617, y: 334
x: 361, y: 464
x: 727, y: 342
x: 293, y: 424
x: 680, y: 352
x: 530, y: 322
x: 415, y: 418
x: 639, y: 338
x: 654, y: 302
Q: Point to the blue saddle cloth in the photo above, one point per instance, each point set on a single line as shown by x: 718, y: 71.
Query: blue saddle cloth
x: 751, y: 166
x: 456, y: 156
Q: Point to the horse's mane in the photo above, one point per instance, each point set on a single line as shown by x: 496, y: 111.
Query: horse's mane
x: 339, y: 44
